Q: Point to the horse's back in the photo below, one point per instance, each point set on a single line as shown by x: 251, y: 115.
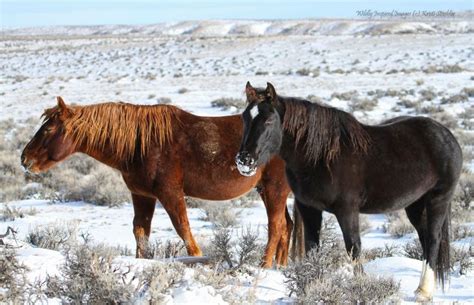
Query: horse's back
x: 407, y: 158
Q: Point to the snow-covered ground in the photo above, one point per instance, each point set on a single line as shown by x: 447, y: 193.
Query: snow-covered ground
x: 194, y: 63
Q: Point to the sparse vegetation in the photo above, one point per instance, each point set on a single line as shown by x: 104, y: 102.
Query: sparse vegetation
x: 13, y: 280
x: 398, y: 224
x: 322, y: 277
x: 225, y: 103
x: 462, y: 259
x: 413, y: 249
x: 362, y: 104
x: 53, y: 237
x: 388, y: 250
x: 221, y: 214
x: 236, y: 254
x: 308, y: 72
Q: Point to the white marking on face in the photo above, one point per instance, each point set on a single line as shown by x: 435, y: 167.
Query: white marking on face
x: 254, y: 112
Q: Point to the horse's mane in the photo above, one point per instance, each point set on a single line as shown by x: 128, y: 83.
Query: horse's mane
x: 323, y: 129
x: 129, y: 129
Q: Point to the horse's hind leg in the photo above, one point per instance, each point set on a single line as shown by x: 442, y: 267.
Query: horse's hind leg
x: 417, y: 216
x: 173, y: 202
x: 275, y: 203
x: 284, y: 244
x: 144, y: 208
x: 436, y: 243
x: 312, y: 220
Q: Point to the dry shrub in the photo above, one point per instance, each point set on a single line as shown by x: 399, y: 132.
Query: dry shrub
x: 9, y: 213
x: 446, y: 119
x: 52, y: 236
x: 398, y: 224
x: 443, y: 69
x: 236, y: 254
x: 13, y: 280
x: 345, y: 96
x: 159, y: 250
x: 362, y: 104
x: 156, y: 279
x: 221, y: 214
x: 226, y: 103
x: 79, y: 179
x: 459, y: 231
x: 321, y: 278
x: 457, y: 98
x: 11, y: 177
x: 88, y: 276
x: 413, y: 249
x: 462, y: 205
x: 427, y: 95
x: 462, y: 259
x: 388, y: 250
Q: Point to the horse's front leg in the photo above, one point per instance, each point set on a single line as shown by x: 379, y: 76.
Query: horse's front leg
x: 348, y: 220
x: 173, y: 202
x: 144, y: 208
x: 312, y: 221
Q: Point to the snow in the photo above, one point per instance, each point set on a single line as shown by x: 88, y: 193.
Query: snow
x: 214, y: 59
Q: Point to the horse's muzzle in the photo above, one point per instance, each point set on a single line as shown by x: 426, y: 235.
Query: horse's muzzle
x: 246, y: 165
x: 25, y: 164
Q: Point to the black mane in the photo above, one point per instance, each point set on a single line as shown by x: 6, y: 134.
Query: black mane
x: 324, y: 128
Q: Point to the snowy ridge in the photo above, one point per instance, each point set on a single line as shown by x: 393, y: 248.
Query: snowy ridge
x: 260, y: 27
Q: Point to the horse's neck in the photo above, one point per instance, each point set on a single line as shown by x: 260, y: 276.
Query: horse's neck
x: 104, y: 155
x: 288, y: 151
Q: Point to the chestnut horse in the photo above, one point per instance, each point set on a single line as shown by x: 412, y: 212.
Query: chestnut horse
x: 164, y: 153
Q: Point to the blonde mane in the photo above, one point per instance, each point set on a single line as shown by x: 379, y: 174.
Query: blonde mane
x: 129, y: 129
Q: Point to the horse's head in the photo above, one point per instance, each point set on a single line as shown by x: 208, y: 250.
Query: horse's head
x: 262, y: 129
x: 50, y: 144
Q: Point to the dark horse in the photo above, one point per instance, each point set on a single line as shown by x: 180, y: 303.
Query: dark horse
x: 336, y: 164
x: 164, y: 153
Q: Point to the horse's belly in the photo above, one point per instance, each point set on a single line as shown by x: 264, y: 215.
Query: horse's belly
x: 219, y: 185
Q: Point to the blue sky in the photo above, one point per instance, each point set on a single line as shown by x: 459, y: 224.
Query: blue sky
x: 30, y: 13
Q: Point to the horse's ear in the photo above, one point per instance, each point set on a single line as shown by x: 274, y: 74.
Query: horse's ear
x: 271, y: 92
x: 64, y: 110
x: 61, y: 103
x: 250, y: 92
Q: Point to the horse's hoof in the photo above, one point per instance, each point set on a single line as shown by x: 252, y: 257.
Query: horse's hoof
x: 265, y: 265
x: 422, y: 296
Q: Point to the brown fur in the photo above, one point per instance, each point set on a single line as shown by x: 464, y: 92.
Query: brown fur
x: 164, y: 153
x: 129, y: 129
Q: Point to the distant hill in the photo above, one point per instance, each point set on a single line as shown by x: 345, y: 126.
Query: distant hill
x: 262, y: 27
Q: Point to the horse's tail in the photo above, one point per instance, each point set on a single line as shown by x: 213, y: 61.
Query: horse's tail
x: 442, y: 270
x: 297, y: 236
